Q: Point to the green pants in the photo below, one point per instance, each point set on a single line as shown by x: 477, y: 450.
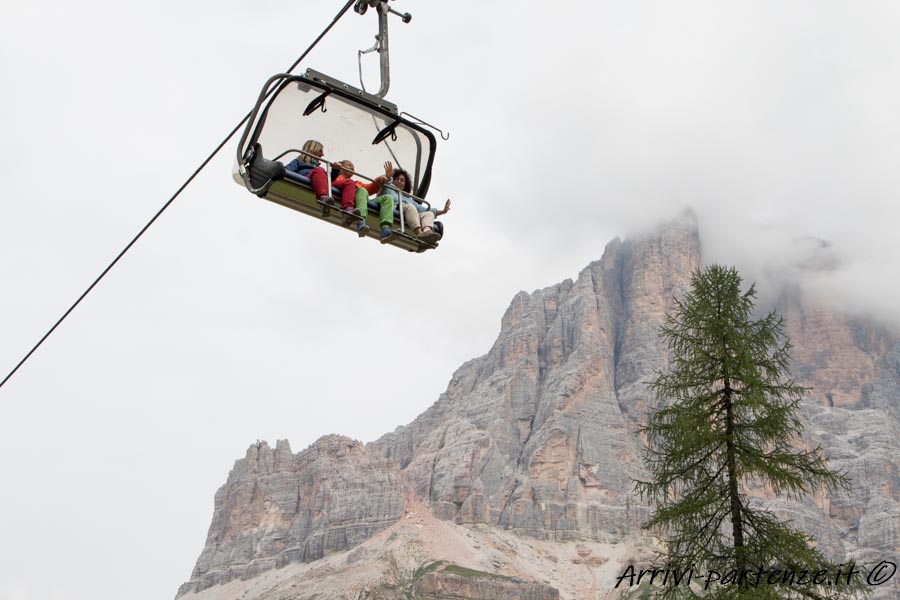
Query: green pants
x: 386, y: 206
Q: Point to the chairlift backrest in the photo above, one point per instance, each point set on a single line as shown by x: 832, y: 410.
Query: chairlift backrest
x: 346, y: 120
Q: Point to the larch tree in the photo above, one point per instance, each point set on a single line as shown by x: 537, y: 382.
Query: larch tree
x: 727, y: 417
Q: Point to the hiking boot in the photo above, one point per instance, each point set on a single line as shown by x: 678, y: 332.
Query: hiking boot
x: 326, y: 202
x: 429, y: 237
x: 362, y: 229
x: 386, y: 234
x: 351, y: 215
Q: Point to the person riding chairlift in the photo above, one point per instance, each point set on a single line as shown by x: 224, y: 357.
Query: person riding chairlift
x: 363, y: 192
x: 308, y: 165
x: 415, y: 214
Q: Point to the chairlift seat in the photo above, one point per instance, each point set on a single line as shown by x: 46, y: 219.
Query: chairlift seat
x: 352, y: 124
x: 294, y: 191
x: 304, y: 180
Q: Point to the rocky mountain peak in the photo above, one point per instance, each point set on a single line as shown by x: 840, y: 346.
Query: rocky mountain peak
x: 534, y: 447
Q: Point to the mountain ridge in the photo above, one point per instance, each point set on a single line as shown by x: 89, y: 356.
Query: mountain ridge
x: 538, y: 440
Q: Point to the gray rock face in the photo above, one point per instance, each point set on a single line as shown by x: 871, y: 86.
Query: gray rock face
x: 539, y: 436
x: 278, y: 508
x: 852, y: 411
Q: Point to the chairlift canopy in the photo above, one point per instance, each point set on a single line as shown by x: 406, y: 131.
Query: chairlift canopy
x: 350, y: 123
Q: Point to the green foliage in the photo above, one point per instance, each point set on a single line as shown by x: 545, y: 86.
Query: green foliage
x: 447, y: 567
x: 727, y: 417
x: 424, y: 570
x: 473, y: 574
x: 403, y: 581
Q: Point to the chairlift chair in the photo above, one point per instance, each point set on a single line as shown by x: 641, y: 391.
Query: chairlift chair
x: 351, y: 124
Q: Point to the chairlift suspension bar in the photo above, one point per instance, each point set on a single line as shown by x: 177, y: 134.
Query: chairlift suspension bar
x: 382, y: 43
x: 402, y: 219
x: 384, y: 51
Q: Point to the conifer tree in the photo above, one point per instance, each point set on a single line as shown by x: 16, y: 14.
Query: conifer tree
x: 726, y: 418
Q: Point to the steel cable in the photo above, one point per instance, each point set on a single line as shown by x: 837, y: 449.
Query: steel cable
x: 172, y: 199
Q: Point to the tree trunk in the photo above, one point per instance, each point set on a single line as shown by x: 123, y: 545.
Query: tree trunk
x: 737, y: 524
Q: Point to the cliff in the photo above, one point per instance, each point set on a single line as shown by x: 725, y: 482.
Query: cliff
x: 524, y: 466
x: 277, y: 508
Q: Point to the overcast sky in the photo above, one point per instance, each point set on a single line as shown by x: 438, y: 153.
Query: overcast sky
x: 234, y: 319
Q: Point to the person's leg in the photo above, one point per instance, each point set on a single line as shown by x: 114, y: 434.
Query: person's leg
x: 348, y: 188
x: 362, y: 202
x: 427, y: 220
x: 411, y: 217
x: 385, y: 210
x: 319, y: 183
x: 428, y: 233
x: 386, y: 221
x: 362, y: 207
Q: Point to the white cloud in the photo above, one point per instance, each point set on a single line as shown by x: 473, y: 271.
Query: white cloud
x: 234, y: 319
